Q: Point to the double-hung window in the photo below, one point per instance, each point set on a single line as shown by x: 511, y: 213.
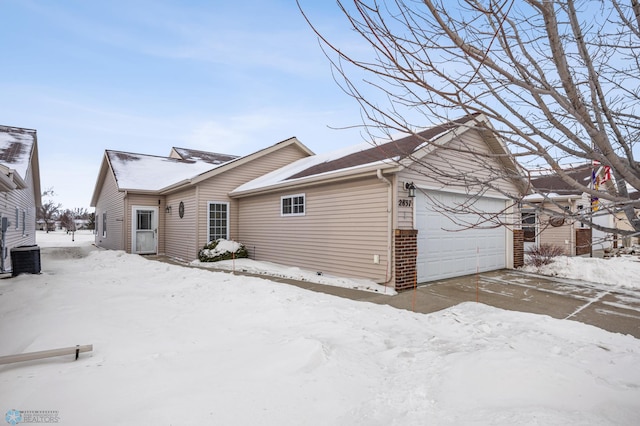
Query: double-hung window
x: 293, y: 205
x: 104, y: 224
x: 218, y: 221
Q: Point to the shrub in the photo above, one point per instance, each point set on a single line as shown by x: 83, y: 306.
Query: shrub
x: 543, y: 254
x: 222, y: 249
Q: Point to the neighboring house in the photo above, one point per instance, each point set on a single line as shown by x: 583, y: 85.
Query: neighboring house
x: 559, y: 201
x: 174, y: 205
x: 347, y: 213
x: 20, y: 188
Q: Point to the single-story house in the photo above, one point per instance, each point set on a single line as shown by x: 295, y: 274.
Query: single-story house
x: 367, y: 211
x: 549, y: 216
x: 174, y: 205
x: 20, y: 188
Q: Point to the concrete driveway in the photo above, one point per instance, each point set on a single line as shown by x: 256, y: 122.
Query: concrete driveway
x: 616, y: 310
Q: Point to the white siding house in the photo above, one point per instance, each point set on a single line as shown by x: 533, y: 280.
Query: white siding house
x: 19, y: 191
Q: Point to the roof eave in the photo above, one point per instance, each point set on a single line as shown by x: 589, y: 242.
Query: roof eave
x: 35, y: 172
x: 556, y: 197
x: 17, y: 179
x: 6, y: 182
x: 482, y: 125
x: 105, y: 166
x: 324, y: 178
x: 176, y: 186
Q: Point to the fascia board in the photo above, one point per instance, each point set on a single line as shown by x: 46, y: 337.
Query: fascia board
x: 176, y: 186
x: 325, y: 178
x: 105, y: 168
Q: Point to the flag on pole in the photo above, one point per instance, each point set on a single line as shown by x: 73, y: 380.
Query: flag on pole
x: 595, y: 182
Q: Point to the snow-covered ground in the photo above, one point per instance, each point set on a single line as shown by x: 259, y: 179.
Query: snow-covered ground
x: 186, y: 346
x: 295, y: 273
x: 621, y: 271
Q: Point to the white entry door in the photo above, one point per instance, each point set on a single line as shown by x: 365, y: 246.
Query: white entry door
x: 144, y: 232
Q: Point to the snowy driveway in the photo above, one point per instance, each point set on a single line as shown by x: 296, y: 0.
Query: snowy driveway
x: 615, y: 309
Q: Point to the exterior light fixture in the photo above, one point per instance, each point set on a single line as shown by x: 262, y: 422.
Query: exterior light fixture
x: 411, y: 188
x: 168, y: 209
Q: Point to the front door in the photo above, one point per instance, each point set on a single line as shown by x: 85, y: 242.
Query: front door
x: 144, y: 232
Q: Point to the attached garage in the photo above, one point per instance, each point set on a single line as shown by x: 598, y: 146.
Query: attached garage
x: 447, y: 246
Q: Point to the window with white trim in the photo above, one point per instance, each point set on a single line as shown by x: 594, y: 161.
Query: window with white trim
x: 17, y: 218
x: 218, y: 221
x: 293, y: 205
x: 529, y: 226
x: 24, y: 223
x: 104, y: 224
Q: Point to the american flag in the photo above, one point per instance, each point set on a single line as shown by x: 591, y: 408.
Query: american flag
x: 603, y: 172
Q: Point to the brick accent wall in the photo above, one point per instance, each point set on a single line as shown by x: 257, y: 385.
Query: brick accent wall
x: 406, y: 253
x: 518, y: 248
x: 583, y: 241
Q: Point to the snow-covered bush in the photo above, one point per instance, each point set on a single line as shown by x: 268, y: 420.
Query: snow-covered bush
x: 543, y: 254
x: 222, y: 249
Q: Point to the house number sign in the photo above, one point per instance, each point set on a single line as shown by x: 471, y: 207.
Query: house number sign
x: 405, y: 202
x: 181, y: 209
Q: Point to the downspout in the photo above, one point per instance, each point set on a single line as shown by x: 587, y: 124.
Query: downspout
x: 389, y: 223
x: 123, y: 228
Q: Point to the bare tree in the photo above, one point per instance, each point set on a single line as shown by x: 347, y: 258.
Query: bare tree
x: 559, y: 80
x: 67, y: 220
x: 48, y: 213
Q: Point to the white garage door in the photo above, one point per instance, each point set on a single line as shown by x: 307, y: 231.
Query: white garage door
x: 445, y: 248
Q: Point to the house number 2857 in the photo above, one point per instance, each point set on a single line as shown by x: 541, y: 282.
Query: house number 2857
x: 405, y: 203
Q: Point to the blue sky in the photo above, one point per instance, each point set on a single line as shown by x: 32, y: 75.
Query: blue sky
x: 143, y: 76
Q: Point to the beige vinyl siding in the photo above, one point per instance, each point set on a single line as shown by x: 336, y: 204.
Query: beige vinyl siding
x: 132, y: 200
x: 180, y: 232
x: 217, y: 188
x: 344, y: 226
x: 22, y: 232
x: 404, y: 204
x: 445, y: 169
x: 111, y: 202
x: 438, y: 169
x: 561, y: 236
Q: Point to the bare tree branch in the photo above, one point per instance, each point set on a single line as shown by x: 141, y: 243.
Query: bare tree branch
x: 560, y: 83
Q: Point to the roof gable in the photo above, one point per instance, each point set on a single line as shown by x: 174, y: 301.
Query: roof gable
x: 394, y: 150
x: 157, y: 174
x: 292, y: 141
x: 361, y: 158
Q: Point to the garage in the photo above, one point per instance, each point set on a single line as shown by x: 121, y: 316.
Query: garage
x: 448, y: 249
